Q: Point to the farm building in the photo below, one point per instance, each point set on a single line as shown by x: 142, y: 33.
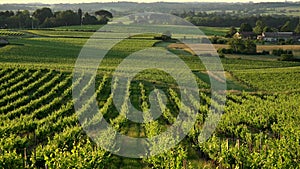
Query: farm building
x: 245, y: 35
x: 276, y: 36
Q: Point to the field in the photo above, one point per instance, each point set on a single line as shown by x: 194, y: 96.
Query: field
x: 40, y: 128
x: 260, y: 48
x: 211, y: 31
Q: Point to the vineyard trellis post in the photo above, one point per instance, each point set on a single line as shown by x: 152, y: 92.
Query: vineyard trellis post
x: 25, y: 158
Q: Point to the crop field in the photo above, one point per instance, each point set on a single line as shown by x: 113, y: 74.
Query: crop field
x: 92, y: 28
x: 260, y: 48
x: 211, y: 31
x: 276, y: 78
x: 4, y: 32
x: 40, y: 128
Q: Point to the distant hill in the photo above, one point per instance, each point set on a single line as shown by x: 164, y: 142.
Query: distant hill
x: 121, y: 8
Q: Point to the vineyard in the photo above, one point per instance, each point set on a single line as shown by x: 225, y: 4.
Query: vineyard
x: 40, y: 128
x: 10, y: 33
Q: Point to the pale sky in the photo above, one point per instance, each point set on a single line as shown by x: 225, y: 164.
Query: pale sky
x: 87, y: 1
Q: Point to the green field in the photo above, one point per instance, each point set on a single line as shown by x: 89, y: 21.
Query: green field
x: 211, y: 31
x: 39, y: 126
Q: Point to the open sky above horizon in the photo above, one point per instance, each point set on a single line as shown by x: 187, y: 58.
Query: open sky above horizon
x: 143, y: 1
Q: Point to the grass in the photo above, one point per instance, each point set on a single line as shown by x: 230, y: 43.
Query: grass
x: 253, y: 57
x: 60, y: 33
x: 210, y: 31
x: 62, y: 52
x: 79, y: 28
x: 42, y: 50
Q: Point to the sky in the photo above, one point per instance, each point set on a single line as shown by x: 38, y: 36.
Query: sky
x: 87, y: 1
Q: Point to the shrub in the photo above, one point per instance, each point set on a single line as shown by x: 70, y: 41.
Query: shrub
x: 221, y: 55
x: 225, y: 51
x: 264, y: 52
x: 218, y: 40
x: 287, y: 57
x: 222, y: 41
x: 279, y: 52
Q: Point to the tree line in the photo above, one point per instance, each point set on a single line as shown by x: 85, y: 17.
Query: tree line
x: 46, y: 18
x: 236, y: 19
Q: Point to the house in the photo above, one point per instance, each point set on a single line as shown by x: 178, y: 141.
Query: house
x: 245, y: 35
x: 277, y: 36
x: 3, y: 42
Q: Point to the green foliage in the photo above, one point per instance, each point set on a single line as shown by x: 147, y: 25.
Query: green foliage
x: 10, y: 33
x: 287, y: 57
x: 268, y: 29
x: 246, y: 27
x: 231, y: 32
x: 45, y: 18
x: 218, y: 40
x: 279, y: 52
x: 241, y: 46
x: 297, y: 29
x: 259, y: 28
x: 81, y: 155
x: 11, y: 159
x: 42, y: 14
x: 173, y: 158
x: 272, y: 80
x: 287, y: 27
x: 104, y: 13
x: 252, y: 139
x: 37, y: 108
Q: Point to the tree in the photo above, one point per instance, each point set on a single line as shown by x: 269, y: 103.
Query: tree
x: 231, y: 32
x: 49, y: 22
x: 80, y: 16
x: 245, y: 27
x: 297, y: 30
x: 236, y: 45
x: 103, y: 16
x: 42, y: 14
x: 250, y: 47
x: 268, y: 29
x: 104, y: 13
x: 66, y: 18
x: 287, y: 27
x: 259, y: 28
x: 23, y: 18
x: 88, y: 19
x: 243, y: 46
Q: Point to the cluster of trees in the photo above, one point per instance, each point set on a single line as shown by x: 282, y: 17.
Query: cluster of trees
x: 285, y: 55
x: 258, y: 23
x: 261, y: 27
x: 239, y: 46
x: 45, y: 18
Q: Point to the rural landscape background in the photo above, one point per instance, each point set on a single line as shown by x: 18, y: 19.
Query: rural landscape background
x: 259, y: 48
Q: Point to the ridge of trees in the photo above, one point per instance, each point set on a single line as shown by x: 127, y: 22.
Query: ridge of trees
x: 217, y: 19
x: 46, y: 18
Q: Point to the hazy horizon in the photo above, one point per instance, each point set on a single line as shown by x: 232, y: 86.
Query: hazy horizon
x: 140, y: 1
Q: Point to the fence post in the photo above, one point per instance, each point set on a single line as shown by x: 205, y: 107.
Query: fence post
x: 227, y: 144
x: 25, y: 158
x: 184, y: 163
x: 260, y: 142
